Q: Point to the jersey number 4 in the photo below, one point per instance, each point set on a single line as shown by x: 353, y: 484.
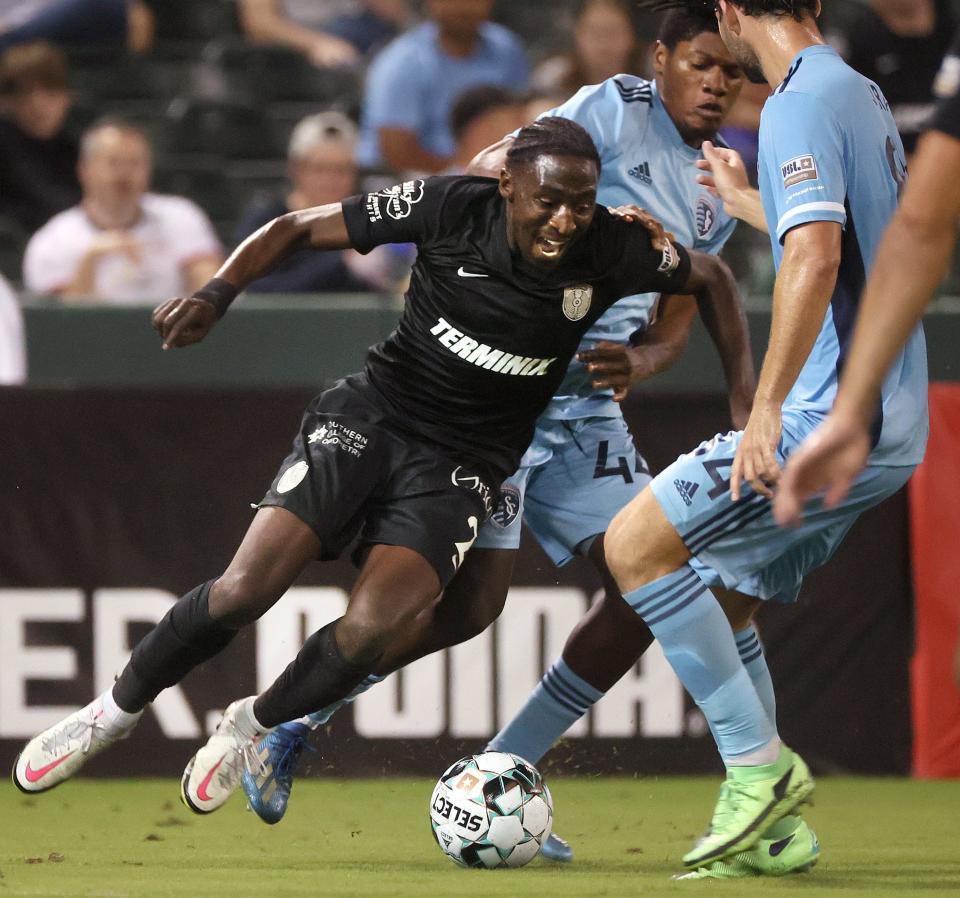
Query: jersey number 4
x: 622, y: 466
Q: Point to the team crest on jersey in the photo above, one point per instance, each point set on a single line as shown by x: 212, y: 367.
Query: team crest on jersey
x: 507, y: 508
x: 947, y: 82
x: 800, y: 168
x: 576, y: 301
x: 397, y: 201
x: 706, y: 216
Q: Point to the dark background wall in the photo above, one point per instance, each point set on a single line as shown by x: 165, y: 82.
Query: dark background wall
x: 151, y: 488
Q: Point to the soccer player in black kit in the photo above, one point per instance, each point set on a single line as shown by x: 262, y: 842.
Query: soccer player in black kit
x: 407, y: 456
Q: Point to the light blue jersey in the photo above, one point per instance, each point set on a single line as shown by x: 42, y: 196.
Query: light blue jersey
x: 644, y: 161
x: 829, y: 151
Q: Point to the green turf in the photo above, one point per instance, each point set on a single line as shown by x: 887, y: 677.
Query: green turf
x: 371, y: 838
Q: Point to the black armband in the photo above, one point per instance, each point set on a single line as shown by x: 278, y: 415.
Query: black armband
x: 219, y: 293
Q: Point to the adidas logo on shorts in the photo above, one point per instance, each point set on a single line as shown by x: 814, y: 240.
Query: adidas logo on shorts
x: 687, y: 490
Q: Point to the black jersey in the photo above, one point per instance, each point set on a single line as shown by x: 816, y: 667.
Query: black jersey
x: 946, y: 87
x: 485, y: 337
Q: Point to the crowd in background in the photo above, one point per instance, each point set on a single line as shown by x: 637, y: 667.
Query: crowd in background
x: 141, y: 139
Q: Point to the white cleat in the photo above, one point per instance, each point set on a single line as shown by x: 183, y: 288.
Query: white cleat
x: 60, y: 751
x: 213, y: 773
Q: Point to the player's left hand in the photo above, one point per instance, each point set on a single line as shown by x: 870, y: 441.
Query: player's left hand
x: 756, y: 458
x: 181, y: 322
x: 615, y: 366
x: 828, y: 460
x: 659, y: 236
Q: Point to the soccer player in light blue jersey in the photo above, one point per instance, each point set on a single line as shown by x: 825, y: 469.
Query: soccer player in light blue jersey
x: 831, y: 169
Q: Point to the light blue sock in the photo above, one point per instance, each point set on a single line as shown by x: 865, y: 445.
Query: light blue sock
x: 696, y: 638
x: 319, y: 718
x: 754, y: 660
x: 560, y: 699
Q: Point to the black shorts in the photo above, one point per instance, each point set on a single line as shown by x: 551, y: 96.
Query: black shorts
x: 353, y: 474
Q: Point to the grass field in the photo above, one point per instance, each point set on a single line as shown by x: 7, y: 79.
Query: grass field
x: 371, y: 838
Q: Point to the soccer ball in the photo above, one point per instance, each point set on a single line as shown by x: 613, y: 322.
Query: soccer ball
x: 491, y: 810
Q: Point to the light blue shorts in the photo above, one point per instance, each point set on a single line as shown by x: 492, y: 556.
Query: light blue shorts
x: 738, y: 545
x: 573, y: 479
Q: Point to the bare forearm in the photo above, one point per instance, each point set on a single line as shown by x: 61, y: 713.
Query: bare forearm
x: 265, y: 25
x: 800, y: 300
x: 721, y: 309
x: 664, y: 341
x: 321, y: 228
x: 745, y: 205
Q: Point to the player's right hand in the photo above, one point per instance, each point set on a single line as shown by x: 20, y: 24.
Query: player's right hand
x: 659, y: 236
x: 725, y: 172
x: 756, y: 459
x: 181, y: 322
x: 828, y: 460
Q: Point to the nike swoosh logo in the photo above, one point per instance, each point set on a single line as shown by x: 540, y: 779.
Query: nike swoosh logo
x: 202, y: 790
x: 34, y: 775
x: 777, y: 847
x: 470, y: 274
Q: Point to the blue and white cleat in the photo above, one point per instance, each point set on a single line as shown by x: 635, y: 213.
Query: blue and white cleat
x: 557, y: 850
x: 269, y: 784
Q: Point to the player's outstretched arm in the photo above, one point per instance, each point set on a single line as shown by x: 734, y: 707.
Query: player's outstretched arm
x: 721, y: 308
x: 910, y: 263
x: 805, y: 282
x: 725, y: 176
x: 185, y: 320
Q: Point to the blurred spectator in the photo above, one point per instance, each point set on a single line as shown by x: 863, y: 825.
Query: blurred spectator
x: 413, y: 83
x: 898, y: 44
x: 121, y: 243
x: 119, y: 23
x: 323, y: 169
x: 38, y: 161
x: 480, y: 117
x: 331, y: 33
x: 605, y: 43
x: 13, y: 345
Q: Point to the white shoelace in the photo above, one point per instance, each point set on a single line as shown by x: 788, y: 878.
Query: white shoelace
x: 82, y: 728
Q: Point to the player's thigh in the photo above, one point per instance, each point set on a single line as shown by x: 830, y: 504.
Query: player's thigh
x: 738, y: 543
x: 478, y: 591
x: 275, y: 549
x: 434, y: 503
x: 337, y: 468
x: 595, y: 470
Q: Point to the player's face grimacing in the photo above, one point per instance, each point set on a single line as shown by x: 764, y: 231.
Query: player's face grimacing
x: 550, y: 204
x: 699, y: 81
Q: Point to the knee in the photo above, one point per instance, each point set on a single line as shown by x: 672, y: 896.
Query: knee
x: 621, y: 551
x: 366, y: 631
x: 465, y: 624
x: 639, y: 549
x: 237, y: 599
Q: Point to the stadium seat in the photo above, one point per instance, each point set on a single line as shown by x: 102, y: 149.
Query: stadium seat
x: 276, y: 74
x: 231, y: 130
x: 128, y: 78
x: 202, y: 179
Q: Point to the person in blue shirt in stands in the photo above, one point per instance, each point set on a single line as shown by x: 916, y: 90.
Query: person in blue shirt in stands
x: 412, y: 85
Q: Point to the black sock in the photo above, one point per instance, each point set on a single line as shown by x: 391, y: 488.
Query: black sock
x: 187, y: 636
x: 317, y: 677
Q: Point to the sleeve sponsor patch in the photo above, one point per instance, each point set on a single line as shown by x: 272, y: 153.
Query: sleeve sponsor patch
x: 397, y: 201
x: 800, y: 168
x: 669, y: 259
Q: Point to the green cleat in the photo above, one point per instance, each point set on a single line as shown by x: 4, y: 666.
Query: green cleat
x: 797, y: 852
x: 751, y: 800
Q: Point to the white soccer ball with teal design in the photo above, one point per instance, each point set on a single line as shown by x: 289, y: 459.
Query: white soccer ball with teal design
x: 491, y: 810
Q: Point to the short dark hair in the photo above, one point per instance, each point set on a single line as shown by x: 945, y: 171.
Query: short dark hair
x: 681, y: 25
x: 552, y: 135
x: 796, y: 9
x: 36, y: 64
x: 477, y: 101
